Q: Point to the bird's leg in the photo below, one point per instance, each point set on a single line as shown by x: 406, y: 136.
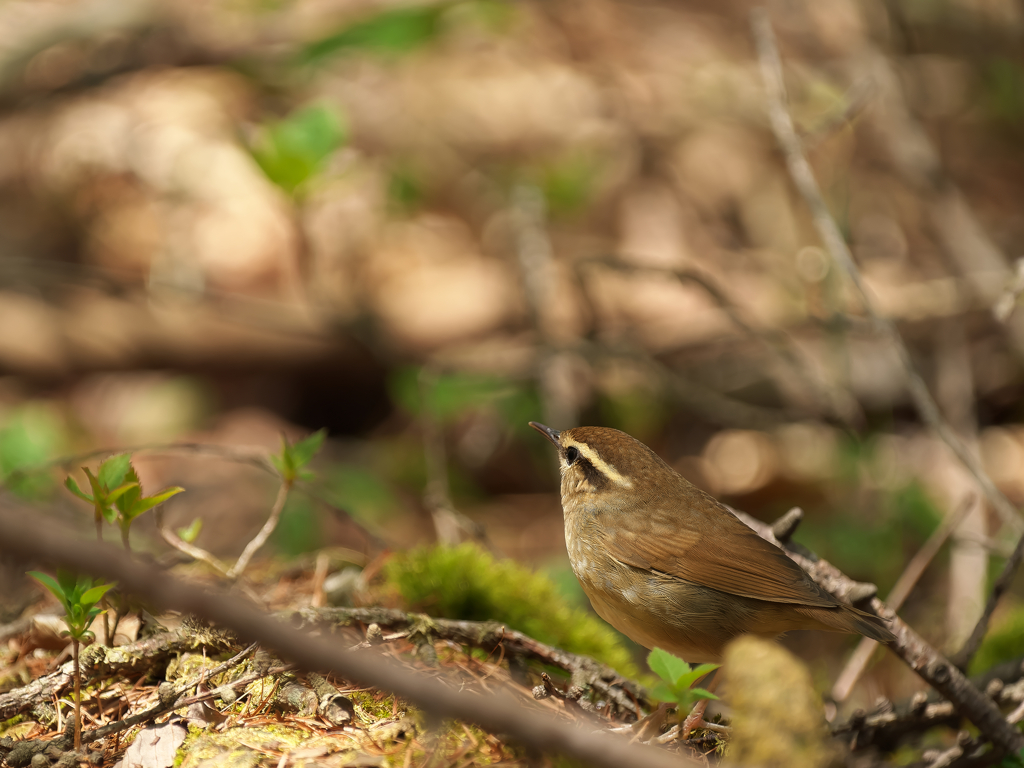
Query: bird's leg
x: 696, y: 717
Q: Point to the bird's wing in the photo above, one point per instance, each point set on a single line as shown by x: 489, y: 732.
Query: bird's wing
x: 717, y: 551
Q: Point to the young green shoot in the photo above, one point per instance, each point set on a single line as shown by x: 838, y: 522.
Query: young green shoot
x: 677, y: 677
x: 290, y: 463
x: 131, y: 504
x: 107, y: 485
x: 78, y: 595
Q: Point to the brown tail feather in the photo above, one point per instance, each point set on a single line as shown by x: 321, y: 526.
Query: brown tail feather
x: 844, y: 618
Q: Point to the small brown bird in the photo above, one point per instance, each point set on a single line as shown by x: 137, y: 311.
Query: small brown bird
x: 670, y: 567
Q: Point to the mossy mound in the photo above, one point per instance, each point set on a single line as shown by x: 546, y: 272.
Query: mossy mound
x: 465, y: 582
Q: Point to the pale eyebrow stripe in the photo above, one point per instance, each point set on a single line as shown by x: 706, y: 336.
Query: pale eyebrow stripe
x: 600, y: 464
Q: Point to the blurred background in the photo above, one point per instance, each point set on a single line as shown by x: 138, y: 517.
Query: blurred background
x: 421, y: 225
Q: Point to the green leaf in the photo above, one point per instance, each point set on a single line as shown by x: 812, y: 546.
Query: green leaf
x: 666, y: 666
x: 146, y: 504
x: 92, y: 596
x: 115, y: 494
x: 702, y: 693
x: 72, y: 486
x: 304, y: 450
x: 50, y: 583
x: 662, y: 692
x: 279, y: 462
x: 98, y: 490
x: 191, y: 533
x: 113, y: 470
x: 69, y: 583
x: 132, y: 493
x: 691, y: 677
x: 393, y: 31
x: 294, y: 150
x: 287, y: 456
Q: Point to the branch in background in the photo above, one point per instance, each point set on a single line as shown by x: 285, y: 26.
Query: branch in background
x: 857, y: 99
x: 906, y: 582
x: 963, y: 657
x: 830, y: 399
x: 913, y: 649
x: 492, y: 712
x: 709, y: 403
x: 1004, y: 307
x: 803, y: 177
x: 559, y: 393
x: 968, y: 562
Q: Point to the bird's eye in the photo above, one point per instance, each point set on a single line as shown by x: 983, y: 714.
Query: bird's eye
x: 571, y: 454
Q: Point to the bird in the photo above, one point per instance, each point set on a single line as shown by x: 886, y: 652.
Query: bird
x: 672, y: 568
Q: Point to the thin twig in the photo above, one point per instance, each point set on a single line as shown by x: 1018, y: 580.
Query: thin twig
x: 264, y: 533
x: 196, y: 553
x: 803, y: 177
x: 908, y: 579
x: 857, y: 99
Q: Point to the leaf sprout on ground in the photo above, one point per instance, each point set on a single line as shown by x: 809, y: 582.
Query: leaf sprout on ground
x: 78, y: 595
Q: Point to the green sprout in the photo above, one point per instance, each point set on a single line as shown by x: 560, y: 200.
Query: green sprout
x: 132, y: 503
x: 117, y: 494
x: 78, y: 595
x: 677, y: 677
x: 292, y: 459
x: 107, y: 486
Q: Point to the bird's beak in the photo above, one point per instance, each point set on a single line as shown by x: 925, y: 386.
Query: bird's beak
x: 548, y: 432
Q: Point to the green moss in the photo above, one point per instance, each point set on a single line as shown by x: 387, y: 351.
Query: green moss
x: 6, y: 725
x: 374, y: 706
x: 465, y: 582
